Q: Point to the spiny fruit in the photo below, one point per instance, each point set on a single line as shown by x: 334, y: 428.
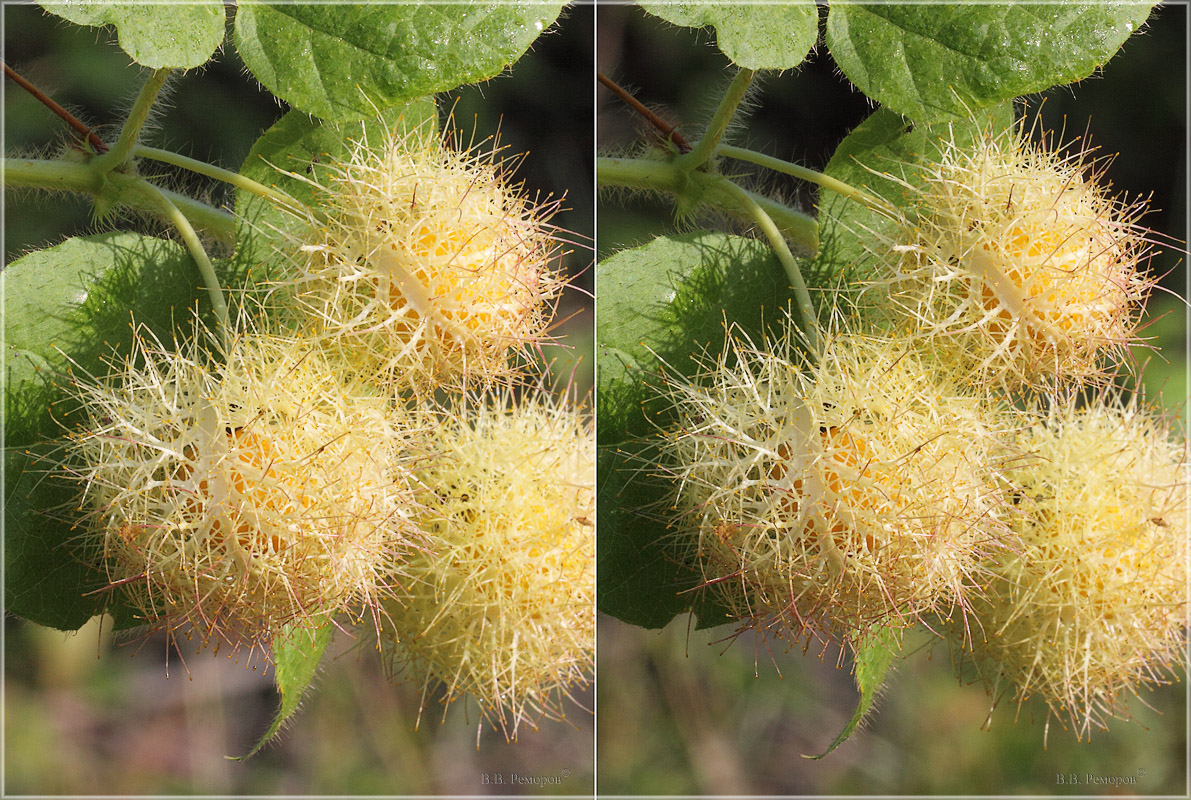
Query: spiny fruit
x: 424, y: 266
x: 230, y: 499
x: 1019, y: 263
x: 500, y: 605
x: 835, y: 496
x: 1093, y: 603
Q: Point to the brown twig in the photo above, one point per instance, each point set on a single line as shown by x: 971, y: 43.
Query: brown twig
x: 71, y: 119
x: 670, y: 133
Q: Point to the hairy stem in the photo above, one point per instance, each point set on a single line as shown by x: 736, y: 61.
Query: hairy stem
x: 57, y: 175
x: 48, y: 102
x: 706, y: 189
x: 802, y: 297
x: 705, y: 147
x: 215, y: 222
x: 141, y: 107
x: 218, y: 173
x: 71, y: 176
x: 670, y: 133
x: 176, y: 218
x: 804, y: 173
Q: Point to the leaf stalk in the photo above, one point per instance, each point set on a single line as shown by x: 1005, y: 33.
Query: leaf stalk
x: 802, y: 298
x: 705, y: 148
x: 60, y: 175
x: 218, y: 173
x: 190, y: 238
x: 121, y: 151
x: 703, y: 188
x: 806, y: 174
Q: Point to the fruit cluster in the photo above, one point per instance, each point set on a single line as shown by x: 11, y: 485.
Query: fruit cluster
x: 956, y: 455
x: 373, y: 440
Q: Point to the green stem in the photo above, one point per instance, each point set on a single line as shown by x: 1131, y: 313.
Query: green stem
x: 170, y: 211
x: 218, y: 173
x: 56, y: 175
x: 636, y: 173
x: 707, y: 189
x: 215, y: 222
x: 806, y: 174
x: 793, y: 225
x: 802, y: 297
x: 141, y: 107
x: 71, y: 176
x: 705, y: 148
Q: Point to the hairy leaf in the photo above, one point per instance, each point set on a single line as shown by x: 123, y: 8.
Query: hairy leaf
x: 754, y: 36
x: 296, y: 656
x: 346, y: 61
x: 872, y: 660
x: 68, y: 309
x: 940, y: 61
x: 169, y: 33
x: 661, y: 304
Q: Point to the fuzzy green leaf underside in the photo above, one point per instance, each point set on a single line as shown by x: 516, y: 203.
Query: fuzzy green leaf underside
x: 68, y: 308
x: 662, y: 302
x: 347, y: 61
x: 754, y: 36
x: 297, y: 653
x: 179, y: 33
x: 290, y: 155
x: 935, y: 61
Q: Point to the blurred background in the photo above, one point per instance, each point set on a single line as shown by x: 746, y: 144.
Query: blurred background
x: 690, y: 712
x: 85, y: 714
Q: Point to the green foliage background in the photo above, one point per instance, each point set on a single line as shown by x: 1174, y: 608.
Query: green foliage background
x: 83, y: 715
x: 682, y: 718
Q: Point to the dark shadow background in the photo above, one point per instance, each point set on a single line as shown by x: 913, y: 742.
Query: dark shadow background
x: 84, y: 715
x: 685, y: 712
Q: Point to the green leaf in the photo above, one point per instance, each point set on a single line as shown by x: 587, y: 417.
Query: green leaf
x: 754, y: 36
x: 48, y: 577
x: 72, y: 304
x: 938, y: 61
x: 169, y: 33
x: 66, y: 308
x: 296, y: 656
x: 881, y: 153
x: 872, y: 660
x: 663, y: 302
x: 289, y: 156
x: 346, y: 61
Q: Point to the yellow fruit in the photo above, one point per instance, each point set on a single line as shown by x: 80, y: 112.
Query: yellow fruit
x: 1019, y: 264
x: 500, y: 605
x: 1093, y: 604
x: 425, y: 266
x: 236, y: 498
x: 833, y: 497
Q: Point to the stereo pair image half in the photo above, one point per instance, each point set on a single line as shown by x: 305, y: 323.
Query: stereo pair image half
x: 856, y: 427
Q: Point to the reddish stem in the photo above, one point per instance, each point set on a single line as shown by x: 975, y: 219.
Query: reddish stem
x: 71, y: 120
x: 670, y: 133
